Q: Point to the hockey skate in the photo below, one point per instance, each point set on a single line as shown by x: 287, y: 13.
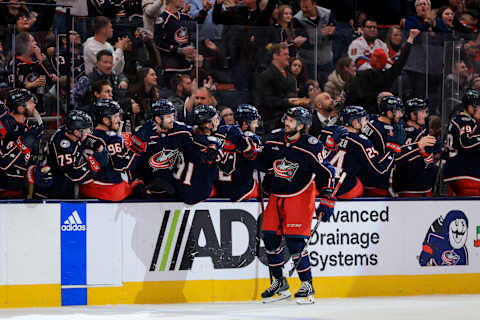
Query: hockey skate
x: 305, y: 293
x: 278, y: 291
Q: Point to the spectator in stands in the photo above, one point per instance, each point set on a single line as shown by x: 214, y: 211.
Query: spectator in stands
x: 284, y: 31
x: 77, y: 63
x: 425, y: 63
x: 207, y: 30
x: 366, y: 85
x: 82, y: 94
x: 245, y: 43
x: 444, y: 19
x: 23, y: 21
x: 102, y: 90
x: 318, y: 24
x: 361, y: 49
x: 144, y: 92
x: 344, y: 12
x: 174, y: 37
x: 322, y: 115
x: 151, y: 10
x: 476, y: 83
x: 226, y: 116
x: 276, y: 88
x: 181, y: 85
x: 299, y: 72
x: 78, y: 10
x: 200, y: 96
x: 338, y: 79
x: 102, y: 29
x: 394, y: 41
x: 28, y: 70
x: 456, y: 84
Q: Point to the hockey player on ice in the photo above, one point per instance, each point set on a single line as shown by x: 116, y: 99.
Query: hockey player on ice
x: 295, y: 162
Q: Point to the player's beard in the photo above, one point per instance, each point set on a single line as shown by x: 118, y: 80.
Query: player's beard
x: 291, y: 133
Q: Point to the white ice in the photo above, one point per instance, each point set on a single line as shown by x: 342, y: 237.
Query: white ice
x: 461, y: 307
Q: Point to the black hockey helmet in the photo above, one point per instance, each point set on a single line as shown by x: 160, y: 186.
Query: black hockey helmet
x: 471, y: 98
x: 78, y: 120
x: 350, y: 113
x: 246, y: 112
x: 106, y: 108
x: 415, y: 104
x: 203, y: 113
x: 390, y: 103
x: 18, y: 97
x: 162, y: 107
x: 301, y: 114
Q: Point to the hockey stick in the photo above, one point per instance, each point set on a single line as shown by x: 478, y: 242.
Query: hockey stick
x: 337, y: 187
x: 259, y: 223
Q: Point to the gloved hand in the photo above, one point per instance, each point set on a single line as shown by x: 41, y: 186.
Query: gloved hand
x: 29, y: 141
x: 98, y: 160
x: 209, y: 155
x: 39, y: 176
x: 140, y: 139
x: 338, y: 133
x: 236, y: 139
x: 252, y: 153
x: 436, y: 148
x: 396, y: 141
x: 326, y: 206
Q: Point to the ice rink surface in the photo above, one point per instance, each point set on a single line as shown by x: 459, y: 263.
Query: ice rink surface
x: 462, y: 307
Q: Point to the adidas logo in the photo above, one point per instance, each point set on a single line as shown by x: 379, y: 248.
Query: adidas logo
x: 73, y: 223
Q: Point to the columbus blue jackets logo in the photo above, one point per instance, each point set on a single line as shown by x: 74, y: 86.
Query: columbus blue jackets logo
x: 164, y: 159
x: 284, y: 169
x: 444, y: 244
x: 181, y: 36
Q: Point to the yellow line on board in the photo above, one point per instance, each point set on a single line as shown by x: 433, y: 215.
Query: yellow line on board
x: 15, y: 296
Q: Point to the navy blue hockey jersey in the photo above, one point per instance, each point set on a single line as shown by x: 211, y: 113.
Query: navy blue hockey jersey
x: 294, y: 165
x: 193, y: 179
x: 13, y: 160
x: 377, y: 131
x: 121, y: 159
x: 162, y: 153
x: 235, y: 177
x: 463, y: 142
x: 174, y: 32
x: 69, y: 165
x: 417, y: 175
x: 356, y: 155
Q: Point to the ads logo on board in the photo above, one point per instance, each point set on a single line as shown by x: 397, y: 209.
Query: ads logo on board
x: 73, y: 223
x: 444, y: 244
x: 185, y: 235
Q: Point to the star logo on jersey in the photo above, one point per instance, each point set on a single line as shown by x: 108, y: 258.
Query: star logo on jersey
x: 164, y: 159
x: 285, y: 169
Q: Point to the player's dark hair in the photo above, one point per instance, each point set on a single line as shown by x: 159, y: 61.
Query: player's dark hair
x: 99, y: 23
x: 102, y: 53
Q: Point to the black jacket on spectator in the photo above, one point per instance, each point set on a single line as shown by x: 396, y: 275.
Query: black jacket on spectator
x: 273, y: 91
x: 175, y: 32
x: 367, y: 84
x: 246, y: 26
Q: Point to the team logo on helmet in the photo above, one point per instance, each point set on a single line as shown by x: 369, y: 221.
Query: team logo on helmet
x: 285, y: 169
x: 164, y: 159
